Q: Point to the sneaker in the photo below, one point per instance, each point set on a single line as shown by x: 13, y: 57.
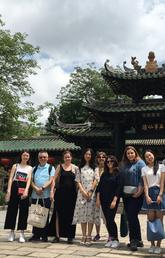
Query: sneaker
x: 115, y: 244
x: 56, y: 240
x: 157, y: 250
x: 139, y: 243
x: 11, y: 237
x: 151, y: 249
x: 133, y: 246
x: 109, y: 243
x: 21, y: 238
x: 44, y: 239
x: 96, y: 238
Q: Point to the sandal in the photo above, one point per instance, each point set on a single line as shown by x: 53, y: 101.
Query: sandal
x: 83, y: 240
x: 88, y: 240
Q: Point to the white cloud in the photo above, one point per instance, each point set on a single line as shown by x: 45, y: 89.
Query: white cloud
x: 74, y: 32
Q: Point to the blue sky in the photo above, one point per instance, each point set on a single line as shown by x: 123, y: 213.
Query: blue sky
x: 74, y: 32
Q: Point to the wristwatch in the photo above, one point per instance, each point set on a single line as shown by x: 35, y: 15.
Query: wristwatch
x: 91, y: 190
x: 43, y: 188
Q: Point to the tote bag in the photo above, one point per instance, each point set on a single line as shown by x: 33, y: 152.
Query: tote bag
x: 155, y: 230
x: 37, y: 215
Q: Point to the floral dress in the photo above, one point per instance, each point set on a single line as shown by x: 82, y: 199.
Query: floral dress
x: 86, y: 211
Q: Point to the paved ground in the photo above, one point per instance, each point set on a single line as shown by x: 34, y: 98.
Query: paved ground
x: 63, y: 250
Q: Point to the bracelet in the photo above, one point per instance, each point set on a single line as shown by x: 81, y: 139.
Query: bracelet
x: 43, y: 188
x: 160, y: 195
x: 91, y: 190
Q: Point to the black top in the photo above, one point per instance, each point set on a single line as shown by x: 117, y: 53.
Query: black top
x: 109, y: 186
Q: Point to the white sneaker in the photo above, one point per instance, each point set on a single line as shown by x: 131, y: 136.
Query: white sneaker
x: 115, y: 244
x: 11, y: 237
x: 157, y: 250
x: 108, y: 244
x: 151, y: 249
x: 21, y: 238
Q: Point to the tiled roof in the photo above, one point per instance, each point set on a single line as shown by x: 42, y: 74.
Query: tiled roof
x: 145, y: 142
x: 126, y: 107
x: 85, y: 132
x: 46, y: 143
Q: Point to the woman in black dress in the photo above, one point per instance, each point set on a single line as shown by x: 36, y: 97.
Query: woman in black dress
x: 64, y: 200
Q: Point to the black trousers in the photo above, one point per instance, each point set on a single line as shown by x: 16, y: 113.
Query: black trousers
x: 14, y: 205
x: 109, y: 215
x: 132, y: 208
x: 42, y: 232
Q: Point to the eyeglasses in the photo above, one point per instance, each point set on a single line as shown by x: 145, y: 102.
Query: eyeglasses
x: 42, y: 157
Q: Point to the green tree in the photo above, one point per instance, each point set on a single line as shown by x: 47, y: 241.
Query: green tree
x: 84, y: 83
x: 17, y: 62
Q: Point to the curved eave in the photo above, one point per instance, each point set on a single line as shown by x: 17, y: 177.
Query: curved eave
x: 85, y: 133
x: 126, y: 108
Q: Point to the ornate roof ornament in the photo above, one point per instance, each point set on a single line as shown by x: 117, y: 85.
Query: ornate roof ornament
x: 151, y: 65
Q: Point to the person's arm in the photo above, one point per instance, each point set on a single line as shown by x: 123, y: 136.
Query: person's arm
x: 98, y: 200
x: 94, y: 183
x: 162, y: 181
x: 80, y: 186
x: 117, y: 192
x: 148, y: 199
x: 11, y: 176
x: 140, y: 188
x: 25, y: 193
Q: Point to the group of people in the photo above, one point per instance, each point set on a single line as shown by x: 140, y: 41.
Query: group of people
x: 85, y: 193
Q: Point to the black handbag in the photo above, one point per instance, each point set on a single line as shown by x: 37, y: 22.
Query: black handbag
x: 123, y: 224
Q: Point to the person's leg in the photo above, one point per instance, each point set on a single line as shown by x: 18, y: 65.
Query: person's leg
x: 44, y: 231
x: 89, y: 238
x: 112, y: 224
x: 132, y: 207
x: 84, y: 231
x: 23, y: 214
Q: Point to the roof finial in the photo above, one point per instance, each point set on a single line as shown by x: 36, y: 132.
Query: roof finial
x: 151, y: 65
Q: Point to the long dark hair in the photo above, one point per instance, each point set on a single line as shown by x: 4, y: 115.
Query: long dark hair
x: 115, y: 168
x: 125, y: 161
x: 92, y: 160
x: 156, y: 164
x: 20, y: 159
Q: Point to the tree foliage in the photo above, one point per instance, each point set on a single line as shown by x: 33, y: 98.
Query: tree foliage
x: 84, y: 83
x: 17, y: 62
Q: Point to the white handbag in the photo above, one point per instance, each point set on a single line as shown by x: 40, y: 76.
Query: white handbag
x: 128, y: 189
x: 37, y: 215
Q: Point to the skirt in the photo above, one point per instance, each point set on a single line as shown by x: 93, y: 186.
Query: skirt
x: 153, y: 193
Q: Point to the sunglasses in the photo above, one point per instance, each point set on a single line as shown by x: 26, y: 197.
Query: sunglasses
x: 110, y: 161
x: 42, y: 157
x: 101, y: 157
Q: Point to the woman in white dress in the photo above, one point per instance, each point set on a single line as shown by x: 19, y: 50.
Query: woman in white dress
x: 87, y: 179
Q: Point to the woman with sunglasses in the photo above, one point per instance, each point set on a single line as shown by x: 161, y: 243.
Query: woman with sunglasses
x: 132, y: 191
x: 108, y: 195
x: 153, y: 177
x: 100, y: 162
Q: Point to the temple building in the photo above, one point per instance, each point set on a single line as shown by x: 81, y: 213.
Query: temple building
x: 136, y: 117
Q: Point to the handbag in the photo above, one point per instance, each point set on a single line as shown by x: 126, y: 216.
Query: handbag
x: 123, y: 224
x: 38, y: 215
x: 155, y: 230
